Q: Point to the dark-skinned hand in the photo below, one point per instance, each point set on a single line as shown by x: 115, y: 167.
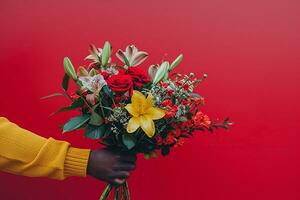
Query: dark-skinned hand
x: 110, y: 166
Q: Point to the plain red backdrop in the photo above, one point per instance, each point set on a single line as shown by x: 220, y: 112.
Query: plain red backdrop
x: 249, y: 49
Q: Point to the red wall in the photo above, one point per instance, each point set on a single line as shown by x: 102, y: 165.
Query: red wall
x: 249, y: 49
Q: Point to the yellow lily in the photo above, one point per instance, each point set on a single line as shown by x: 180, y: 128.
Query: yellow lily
x: 143, y: 113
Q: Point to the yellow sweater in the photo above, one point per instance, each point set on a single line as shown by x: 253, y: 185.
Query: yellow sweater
x: 25, y: 153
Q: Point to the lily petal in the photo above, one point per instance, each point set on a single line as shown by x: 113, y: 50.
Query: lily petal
x: 129, y: 51
x: 132, y: 110
x: 133, y: 124
x: 155, y: 113
x: 138, y: 58
x: 152, y: 71
x: 149, y: 102
x: 147, y: 125
x: 137, y: 97
x: 82, y: 71
x: 120, y: 54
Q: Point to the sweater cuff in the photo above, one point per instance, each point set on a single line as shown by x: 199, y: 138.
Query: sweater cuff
x: 76, y: 162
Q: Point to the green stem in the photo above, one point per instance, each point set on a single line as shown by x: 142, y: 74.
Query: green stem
x: 106, y: 192
x: 126, y: 191
x: 116, y: 197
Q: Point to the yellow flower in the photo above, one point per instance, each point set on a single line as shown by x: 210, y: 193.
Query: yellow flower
x: 143, y: 113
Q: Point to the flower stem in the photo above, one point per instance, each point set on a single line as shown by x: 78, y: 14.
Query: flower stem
x: 106, y: 192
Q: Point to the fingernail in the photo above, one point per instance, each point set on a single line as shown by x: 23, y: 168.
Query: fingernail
x: 119, y: 181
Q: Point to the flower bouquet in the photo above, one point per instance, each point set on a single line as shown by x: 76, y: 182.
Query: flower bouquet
x: 127, y: 109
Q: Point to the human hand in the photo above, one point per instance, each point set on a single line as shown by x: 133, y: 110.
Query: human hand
x: 109, y: 166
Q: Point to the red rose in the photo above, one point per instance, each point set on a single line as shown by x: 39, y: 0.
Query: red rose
x: 105, y: 75
x: 139, y: 77
x: 120, y: 83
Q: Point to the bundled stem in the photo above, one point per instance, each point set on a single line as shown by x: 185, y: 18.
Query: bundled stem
x: 120, y: 192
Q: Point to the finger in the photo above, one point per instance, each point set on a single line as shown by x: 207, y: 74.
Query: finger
x: 121, y: 174
x: 128, y: 158
x: 124, y: 167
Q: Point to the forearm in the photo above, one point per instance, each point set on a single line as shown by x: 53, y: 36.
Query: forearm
x: 25, y: 153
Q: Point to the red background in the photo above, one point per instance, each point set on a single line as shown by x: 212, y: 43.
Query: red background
x: 249, y: 49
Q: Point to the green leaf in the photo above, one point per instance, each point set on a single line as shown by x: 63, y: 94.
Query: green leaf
x: 75, y: 123
x: 147, y: 156
x: 182, y: 119
x: 95, y: 132
x: 64, y: 109
x: 82, y: 71
x: 107, y: 91
x: 154, y: 154
x: 106, y: 53
x: 93, y: 72
x: 195, y: 95
x: 96, y: 119
x: 165, y: 150
x: 77, y: 103
x: 53, y: 95
x: 129, y: 140
x: 126, y: 61
x: 69, y: 69
x: 65, y: 82
x: 176, y: 62
x: 162, y: 70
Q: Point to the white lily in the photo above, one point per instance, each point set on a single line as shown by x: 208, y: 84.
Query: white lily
x: 93, y: 83
x: 132, y: 56
x: 96, y: 54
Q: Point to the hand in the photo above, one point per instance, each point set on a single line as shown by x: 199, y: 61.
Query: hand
x: 109, y: 166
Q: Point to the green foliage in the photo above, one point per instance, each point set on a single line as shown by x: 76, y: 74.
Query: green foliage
x: 96, y: 119
x: 69, y: 69
x: 78, y: 103
x: 53, y: 95
x: 95, y: 132
x: 93, y: 72
x: 107, y: 91
x: 165, y: 150
x: 126, y: 61
x: 176, y: 62
x: 65, y: 82
x: 195, y: 95
x: 182, y: 119
x: 75, y: 123
x: 106, y: 53
x: 161, y: 72
x: 129, y: 140
x: 147, y: 156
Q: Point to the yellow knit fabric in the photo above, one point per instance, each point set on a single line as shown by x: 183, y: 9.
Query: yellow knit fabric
x: 25, y: 153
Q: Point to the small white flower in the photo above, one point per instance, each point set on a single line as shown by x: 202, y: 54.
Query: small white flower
x: 111, y: 70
